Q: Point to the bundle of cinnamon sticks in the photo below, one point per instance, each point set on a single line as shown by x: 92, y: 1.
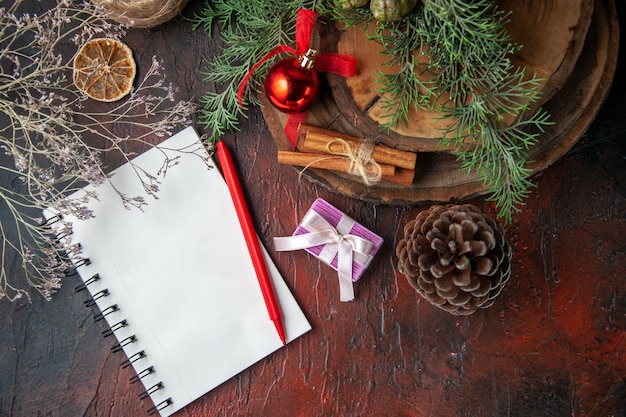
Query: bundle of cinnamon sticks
x: 326, y: 149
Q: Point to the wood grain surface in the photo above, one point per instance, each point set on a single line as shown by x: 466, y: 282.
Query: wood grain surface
x: 553, y: 344
x: 354, y: 105
x: 550, y: 50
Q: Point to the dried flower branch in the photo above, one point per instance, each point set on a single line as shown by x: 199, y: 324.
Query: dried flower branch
x: 51, y: 145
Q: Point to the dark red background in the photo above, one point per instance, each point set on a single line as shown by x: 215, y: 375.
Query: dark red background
x: 552, y: 345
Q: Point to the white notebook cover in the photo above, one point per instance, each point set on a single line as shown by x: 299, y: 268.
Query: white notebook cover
x: 180, y: 273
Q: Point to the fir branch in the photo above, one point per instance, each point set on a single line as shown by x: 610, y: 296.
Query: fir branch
x: 496, y: 151
x: 348, y: 16
x: 248, y: 31
x: 405, y: 45
x: 397, y: 104
x: 220, y: 112
x: 447, y: 55
x: 462, y: 48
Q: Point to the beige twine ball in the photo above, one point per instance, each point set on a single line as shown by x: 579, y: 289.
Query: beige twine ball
x: 142, y: 13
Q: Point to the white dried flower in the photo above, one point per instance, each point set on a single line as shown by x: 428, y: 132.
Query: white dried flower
x: 49, y: 135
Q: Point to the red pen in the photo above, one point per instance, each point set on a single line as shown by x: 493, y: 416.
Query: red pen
x: 252, y: 241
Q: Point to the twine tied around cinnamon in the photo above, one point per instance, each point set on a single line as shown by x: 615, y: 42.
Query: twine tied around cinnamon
x: 360, y: 156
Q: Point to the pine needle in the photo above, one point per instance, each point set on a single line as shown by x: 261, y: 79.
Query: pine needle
x: 248, y: 31
x: 463, y: 47
x: 451, y: 56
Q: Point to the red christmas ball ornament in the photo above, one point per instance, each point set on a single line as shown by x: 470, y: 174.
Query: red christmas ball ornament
x: 292, y: 85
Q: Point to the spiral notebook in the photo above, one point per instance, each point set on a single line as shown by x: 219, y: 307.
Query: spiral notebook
x: 175, y: 282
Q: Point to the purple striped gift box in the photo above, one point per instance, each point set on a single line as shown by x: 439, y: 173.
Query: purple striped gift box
x: 344, y: 225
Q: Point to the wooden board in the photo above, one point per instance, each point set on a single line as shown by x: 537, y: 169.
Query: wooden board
x: 550, y: 51
x: 438, y: 177
x: 552, y: 34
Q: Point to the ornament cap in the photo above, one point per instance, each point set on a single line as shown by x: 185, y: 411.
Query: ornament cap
x: 308, y: 59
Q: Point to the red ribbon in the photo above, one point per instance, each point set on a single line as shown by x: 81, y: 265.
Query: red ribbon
x: 341, y: 64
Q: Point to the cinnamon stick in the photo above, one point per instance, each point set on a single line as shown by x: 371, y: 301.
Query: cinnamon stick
x: 338, y: 163
x: 316, y: 139
x: 326, y: 161
x: 402, y: 176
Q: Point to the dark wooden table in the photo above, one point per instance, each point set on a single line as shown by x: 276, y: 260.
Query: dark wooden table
x: 553, y: 344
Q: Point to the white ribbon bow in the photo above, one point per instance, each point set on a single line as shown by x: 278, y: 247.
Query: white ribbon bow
x: 337, y: 241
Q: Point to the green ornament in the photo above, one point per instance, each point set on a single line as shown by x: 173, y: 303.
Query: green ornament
x: 391, y: 10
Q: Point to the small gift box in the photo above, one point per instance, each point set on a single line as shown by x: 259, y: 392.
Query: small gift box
x: 335, y: 239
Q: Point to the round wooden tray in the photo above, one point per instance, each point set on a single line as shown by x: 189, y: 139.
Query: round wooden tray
x: 550, y: 50
x: 575, y: 95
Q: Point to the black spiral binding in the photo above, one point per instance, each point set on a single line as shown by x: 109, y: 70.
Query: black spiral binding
x: 133, y: 358
x: 110, y: 309
x: 115, y: 327
x: 160, y: 406
x: 84, y: 285
x: 96, y: 296
x: 151, y: 390
x: 149, y: 370
x: 50, y: 221
x: 108, y: 332
x: 120, y: 345
x: 69, y: 272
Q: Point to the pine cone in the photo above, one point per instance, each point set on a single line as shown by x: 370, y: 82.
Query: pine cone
x: 456, y: 257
